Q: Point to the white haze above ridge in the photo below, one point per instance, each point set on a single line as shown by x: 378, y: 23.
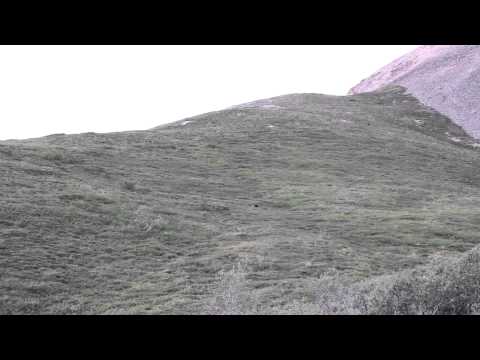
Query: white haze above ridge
x: 74, y: 89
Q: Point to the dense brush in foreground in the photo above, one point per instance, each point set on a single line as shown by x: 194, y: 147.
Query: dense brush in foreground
x: 447, y: 286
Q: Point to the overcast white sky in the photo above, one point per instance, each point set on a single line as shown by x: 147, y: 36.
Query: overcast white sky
x: 74, y: 89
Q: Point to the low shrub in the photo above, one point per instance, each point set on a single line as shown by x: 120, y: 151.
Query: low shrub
x: 148, y: 221
x: 231, y: 295
x: 446, y: 286
x: 52, y: 155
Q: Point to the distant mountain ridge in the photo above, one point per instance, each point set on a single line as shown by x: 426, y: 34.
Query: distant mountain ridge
x: 444, y: 77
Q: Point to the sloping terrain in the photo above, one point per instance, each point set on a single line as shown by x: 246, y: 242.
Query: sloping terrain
x: 444, y: 77
x: 293, y: 186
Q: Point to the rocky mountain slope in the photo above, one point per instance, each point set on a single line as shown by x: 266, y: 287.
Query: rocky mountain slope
x: 444, y: 77
x: 291, y: 187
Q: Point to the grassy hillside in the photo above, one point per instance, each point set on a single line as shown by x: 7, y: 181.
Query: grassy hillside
x: 292, y: 187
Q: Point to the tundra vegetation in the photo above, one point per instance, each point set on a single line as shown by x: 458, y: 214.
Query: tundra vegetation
x: 312, y: 204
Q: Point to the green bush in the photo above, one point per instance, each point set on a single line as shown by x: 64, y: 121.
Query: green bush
x: 446, y: 286
x: 451, y: 286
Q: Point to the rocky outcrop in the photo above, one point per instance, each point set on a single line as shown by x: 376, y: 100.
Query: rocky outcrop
x: 444, y: 77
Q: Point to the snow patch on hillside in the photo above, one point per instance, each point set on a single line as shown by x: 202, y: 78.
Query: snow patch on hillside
x: 259, y: 104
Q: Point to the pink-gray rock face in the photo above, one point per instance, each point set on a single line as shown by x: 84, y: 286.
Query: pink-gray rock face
x: 444, y: 77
